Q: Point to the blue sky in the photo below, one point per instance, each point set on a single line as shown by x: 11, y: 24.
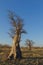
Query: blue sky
x: 32, y: 13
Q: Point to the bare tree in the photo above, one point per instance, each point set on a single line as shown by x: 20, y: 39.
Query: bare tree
x: 29, y: 43
x: 15, y: 33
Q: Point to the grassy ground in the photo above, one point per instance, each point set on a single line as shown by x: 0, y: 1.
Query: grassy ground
x: 33, y: 57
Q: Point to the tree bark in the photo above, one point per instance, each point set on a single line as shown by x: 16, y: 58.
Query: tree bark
x: 15, y: 50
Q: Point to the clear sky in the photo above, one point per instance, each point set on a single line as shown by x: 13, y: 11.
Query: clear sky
x: 32, y: 13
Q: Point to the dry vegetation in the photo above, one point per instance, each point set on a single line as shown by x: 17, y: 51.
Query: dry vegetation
x: 33, y: 57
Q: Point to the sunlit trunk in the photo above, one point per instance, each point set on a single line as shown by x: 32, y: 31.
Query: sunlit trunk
x: 15, y: 50
x: 29, y: 47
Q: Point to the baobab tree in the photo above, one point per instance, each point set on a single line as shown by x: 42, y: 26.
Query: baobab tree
x: 15, y: 33
x: 29, y: 43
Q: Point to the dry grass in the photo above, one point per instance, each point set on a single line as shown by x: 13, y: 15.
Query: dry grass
x: 33, y: 57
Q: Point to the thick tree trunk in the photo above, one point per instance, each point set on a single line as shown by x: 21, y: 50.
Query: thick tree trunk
x: 15, y: 50
x: 29, y: 47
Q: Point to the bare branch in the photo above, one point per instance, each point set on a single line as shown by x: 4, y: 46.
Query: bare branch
x: 11, y: 35
x: 23, y: 31
x: 12, y: 18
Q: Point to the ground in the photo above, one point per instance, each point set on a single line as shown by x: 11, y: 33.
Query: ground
x: 33, y: 57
